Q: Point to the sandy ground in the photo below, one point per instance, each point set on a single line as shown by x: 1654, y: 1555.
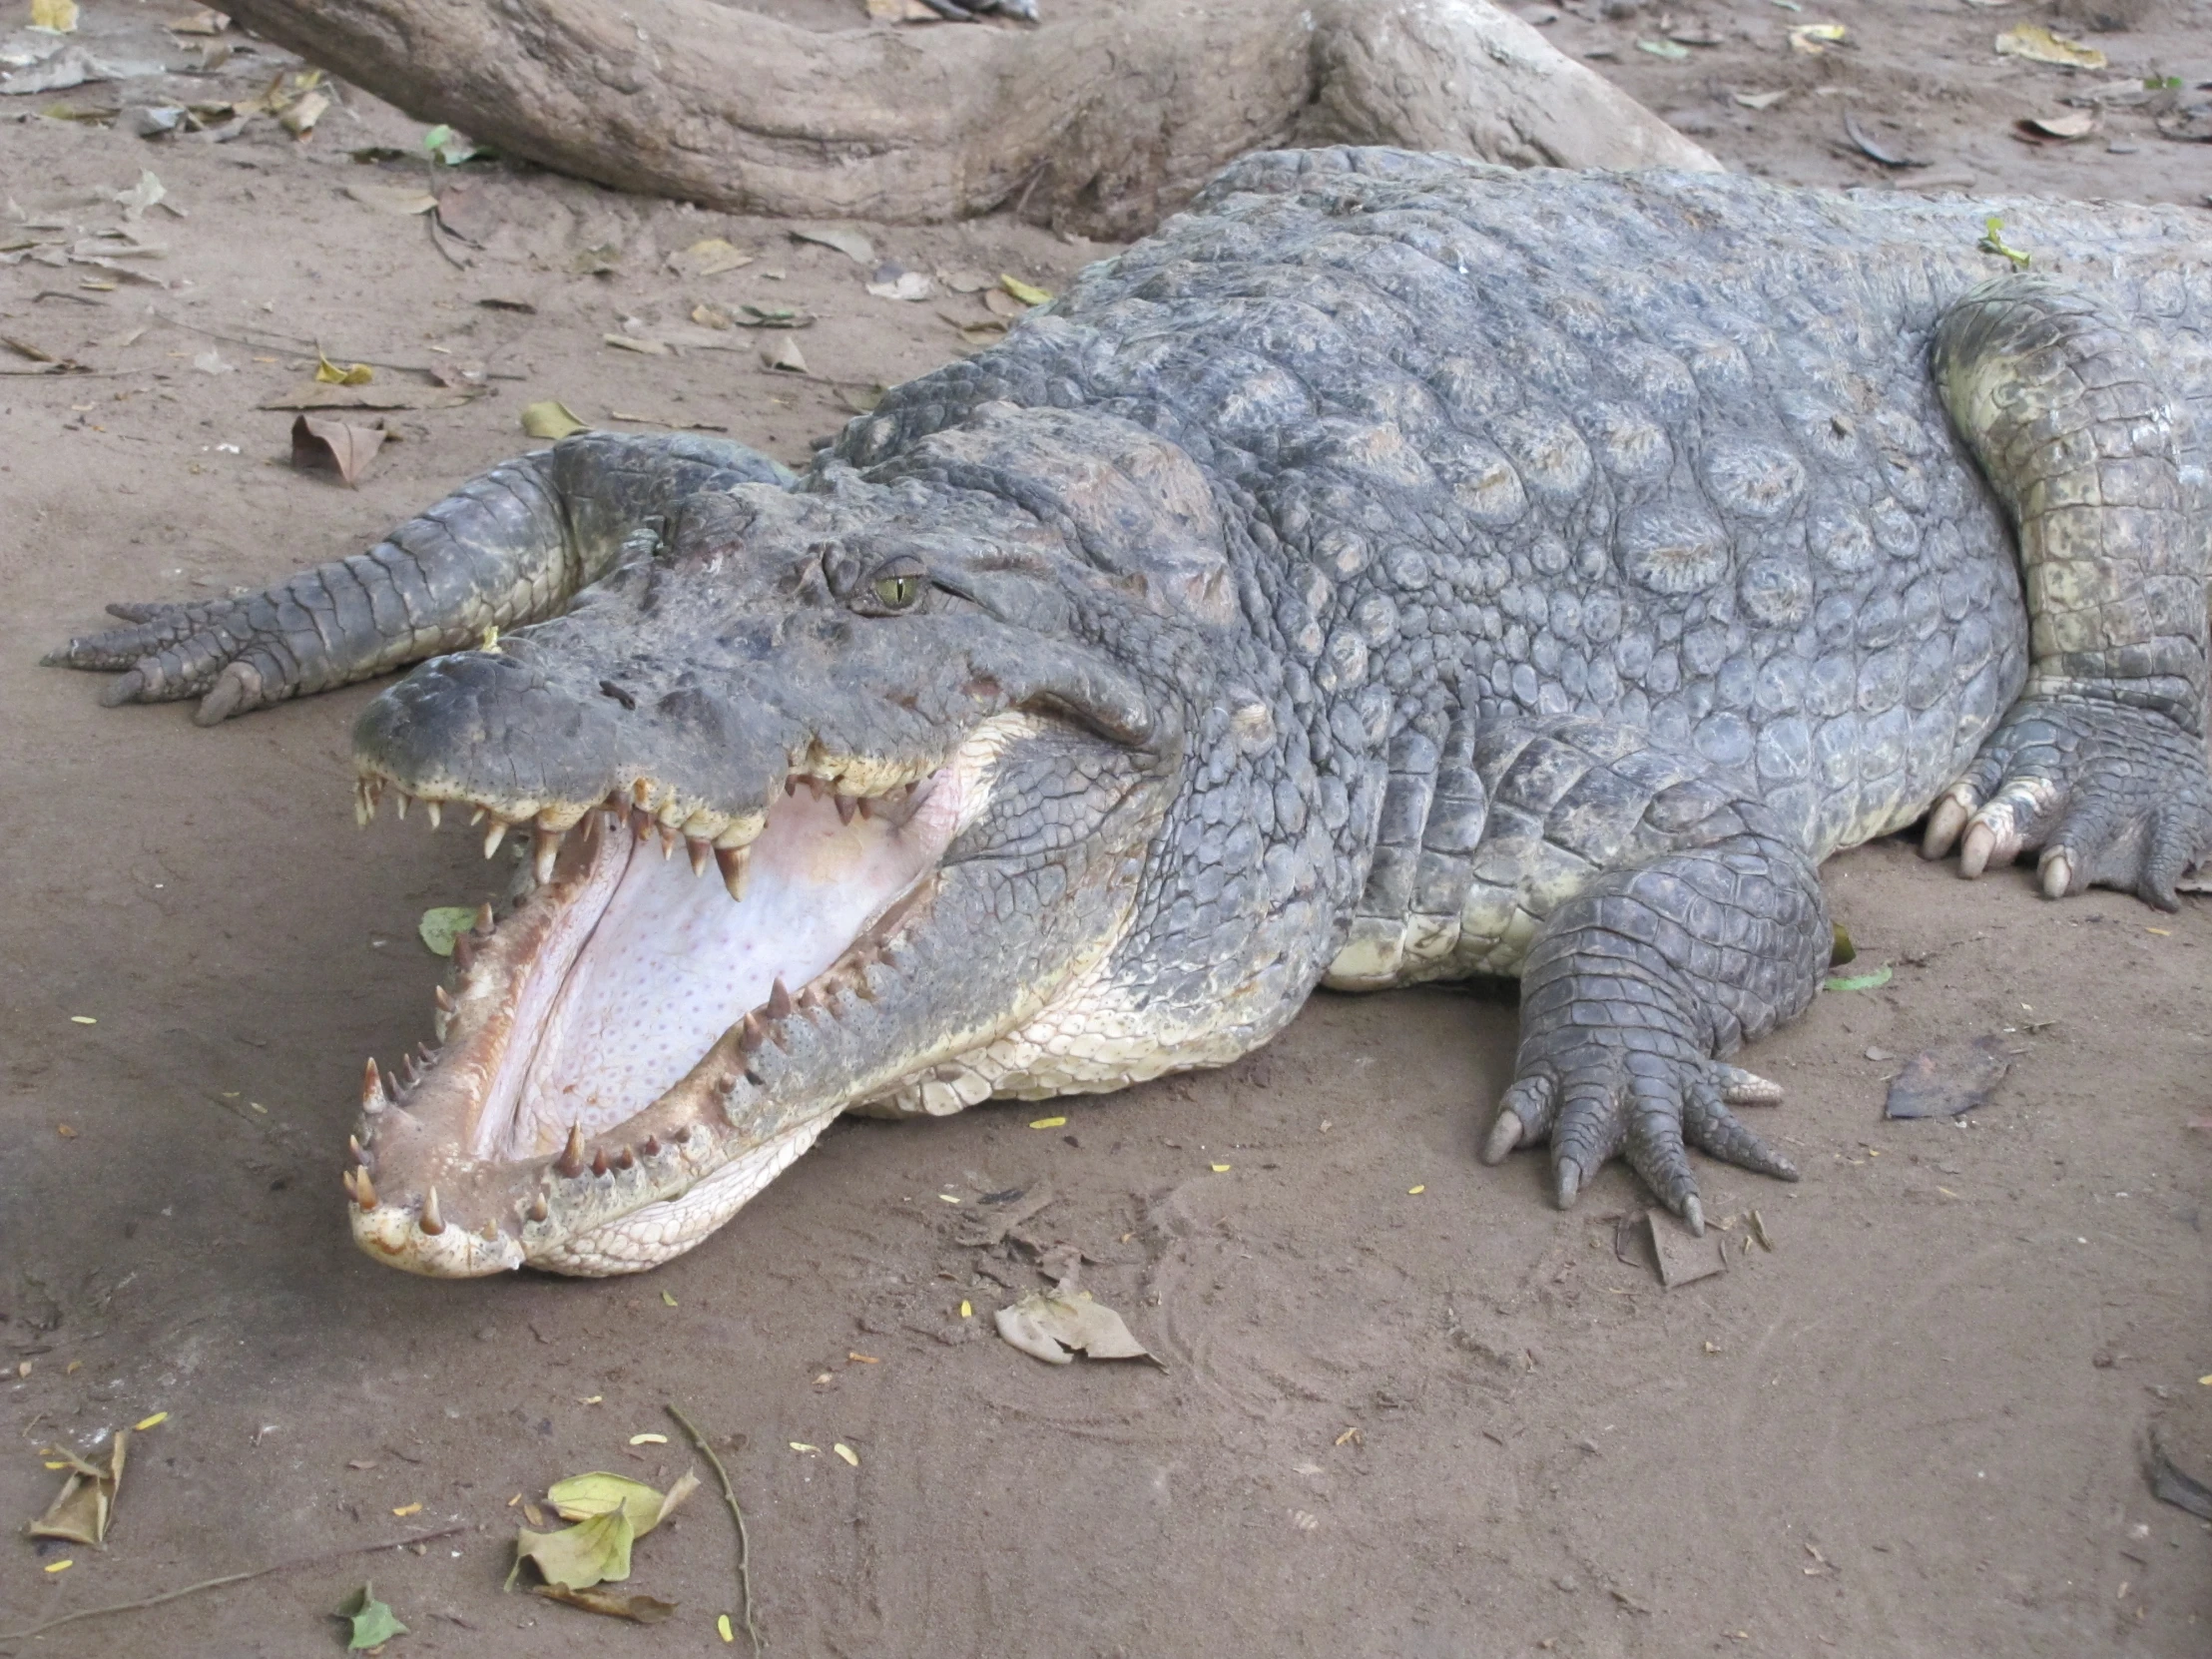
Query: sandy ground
x: 1392, y: 1423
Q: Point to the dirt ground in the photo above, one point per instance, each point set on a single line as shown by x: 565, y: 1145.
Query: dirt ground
x: 1408, y: 1408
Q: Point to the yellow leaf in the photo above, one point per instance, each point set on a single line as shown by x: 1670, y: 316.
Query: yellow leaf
x: 60, y: 16
x: 664, y: 1297
x: 721, y: 1627
x: 589, y: 1399
x: 2039, y: 45
x: 801, y: 1446
x: 591, y: 1552
x: 861, y: 1359
x: 1220, y: 1169
x: 848, y: 1453
x: 1415, y: 1192
x: 331, y: 374
x: 584, y: 1496
x: 967, y: 1310
x: 649, y: 1439
x: 154, y: 1421
x: 1048, y: 1122
x: 82, y: 1019
x: 1812, y: 39
x: 2204, y: 1381
x: 1022, y: 291
x: 551, y: 419
x: 65, y: 1563
x: 2162, y: 933
x: 947, y: 1197
x: 408, y: 1509
x: 56, y: 1465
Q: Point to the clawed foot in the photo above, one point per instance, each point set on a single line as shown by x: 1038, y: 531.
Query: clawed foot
x: 1593, y: 1101
x: 2113, y: 796
x: 219, y: 652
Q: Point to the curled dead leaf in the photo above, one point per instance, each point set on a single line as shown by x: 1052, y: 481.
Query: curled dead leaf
x: 1052, y: 1327
x: 2039, y: 44
x: 321, y: 443
x: 551, y: 419
x: 2057, y: 128
x: 782, y: 354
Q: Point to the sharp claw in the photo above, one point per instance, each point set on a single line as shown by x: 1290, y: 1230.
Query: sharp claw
x: 1567, y: 1184
x: 1505, y: 1134
x: 1944, y: 824
x: 2057, y: 874
x: 1693, y: 1215
x: 1746, y: 1088
x: 1973, y: 854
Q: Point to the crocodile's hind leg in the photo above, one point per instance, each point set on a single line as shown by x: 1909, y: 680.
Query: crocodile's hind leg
x: 2102, y: 763
x: 511, y: 547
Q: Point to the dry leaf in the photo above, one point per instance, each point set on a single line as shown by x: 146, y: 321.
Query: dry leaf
x: 710, y: 258
x: 1023, y: 292
x: 551, y: 419
x: 392, y: 199
x: 2039, y: 45
x: 1812, y: 39
x: 631, y: 343
x: 583, y: 1497
x: 1052, y: 1327
x: 56, y: 16
x: 894, y: 282
x: 784, y: 353
x: 1003, y: 304
x: 967, y: 281
x: 321, y: 443
x: 1761, y: 99
x: 852, y: 244
x: 206, y: 21
x: 591, y: 1552
x: 315, y: 394
x: 81, y: 1510
x: 634, y: 1606
x: 2064, y: 128
x: 848, y: 1453
x: 211, y: 361
x: 299, y: 117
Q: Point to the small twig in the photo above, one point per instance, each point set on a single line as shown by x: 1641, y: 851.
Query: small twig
x: 226, y: 1578
x: 269, y: 340
x: 745, y: 1541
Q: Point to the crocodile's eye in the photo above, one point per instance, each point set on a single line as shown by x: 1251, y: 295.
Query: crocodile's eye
x: 898, y: 585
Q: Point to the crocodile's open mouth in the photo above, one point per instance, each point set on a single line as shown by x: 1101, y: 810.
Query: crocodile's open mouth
x: 656, y: 1028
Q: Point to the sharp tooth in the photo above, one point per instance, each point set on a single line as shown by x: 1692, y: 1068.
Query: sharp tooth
x: 405, y: 799
x: 702, y: 855
x: 464, y: 953
x: 538, y: 1211
x: 571, y: 1161
x: 373, y: 1097
x: 445, y: 1000
x: 475, y: 816
x: 791, y: 783
x: 546, y: 847
x: 407, y: 1074
x: 364, y: 1191
x: 847, y: 807
x: 751, y: 1032
x: 651, y: 1146
x: 436, y: 812
x: 362, y: 810
x: 810, y: 998
x: 599, y: 1162
x: 357, y: 1151
x: 485, y: 920
x: 351, y: 1192
x: 625, y: 1159
x: 641, y: 823
x: 494, y: 836
x: 430, y: 1221
x: 668, y: 841
x: 779, y: 1002
x: 737, y: 865
x: 867, y: 805
x: 490, y: 1233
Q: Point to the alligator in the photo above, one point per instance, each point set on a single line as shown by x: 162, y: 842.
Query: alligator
x: 1394, y: 569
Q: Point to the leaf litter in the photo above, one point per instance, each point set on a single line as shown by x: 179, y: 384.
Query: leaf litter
x: 1054, y: 1325
x: 372, y: 1622
x: 2038, y: 44
x: 322, y: 444
x: 82, y: 1509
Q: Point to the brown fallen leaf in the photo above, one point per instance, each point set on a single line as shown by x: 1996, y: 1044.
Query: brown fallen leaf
x: 2039, y: 44
x: 1874, y: 147
x: 2057, y: 129
x: 782, y: 354
x: 392, y: 199
x: 709, y: 257
x: 81, y: 1510
x: 1052, y: 1327
x: 644, y: 346
x: 319, y: 443
x: 852, y: 244
x: 634, y: 1606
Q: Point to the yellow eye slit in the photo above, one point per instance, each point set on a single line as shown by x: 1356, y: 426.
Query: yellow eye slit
x: 898, y: 591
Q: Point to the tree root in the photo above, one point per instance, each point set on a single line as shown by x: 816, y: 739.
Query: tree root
x: 1101, y: 119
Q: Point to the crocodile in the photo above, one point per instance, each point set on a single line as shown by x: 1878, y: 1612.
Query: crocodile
x: 1394, y: 569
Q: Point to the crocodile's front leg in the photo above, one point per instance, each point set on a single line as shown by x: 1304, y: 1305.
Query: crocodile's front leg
x: 1658, y: 915
x: 511, y: 547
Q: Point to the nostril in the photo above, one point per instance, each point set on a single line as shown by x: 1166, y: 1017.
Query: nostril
x: 621, y: 694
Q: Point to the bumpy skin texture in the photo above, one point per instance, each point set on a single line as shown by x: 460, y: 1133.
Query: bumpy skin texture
x: 1546, y: 571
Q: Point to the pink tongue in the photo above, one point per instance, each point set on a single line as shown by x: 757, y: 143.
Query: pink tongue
x: 673, y: 961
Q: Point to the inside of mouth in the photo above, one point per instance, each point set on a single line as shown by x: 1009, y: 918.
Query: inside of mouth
x: 642, y: 966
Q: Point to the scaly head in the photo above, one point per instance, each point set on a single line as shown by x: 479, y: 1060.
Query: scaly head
x: 822, y: 793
